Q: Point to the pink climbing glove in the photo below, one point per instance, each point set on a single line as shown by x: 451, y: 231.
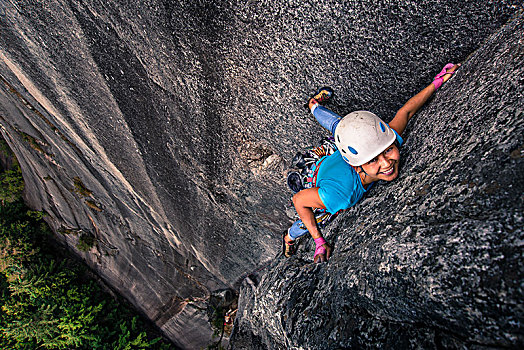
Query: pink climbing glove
x: 320, y: 249
x: 438, y: 80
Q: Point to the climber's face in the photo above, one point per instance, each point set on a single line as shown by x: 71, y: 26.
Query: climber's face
x: 384, y: 166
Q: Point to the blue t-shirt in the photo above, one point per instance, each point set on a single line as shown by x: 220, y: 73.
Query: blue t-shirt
x: 339, y: 185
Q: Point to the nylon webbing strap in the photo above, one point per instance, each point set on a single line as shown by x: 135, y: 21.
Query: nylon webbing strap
x: 315, y: 173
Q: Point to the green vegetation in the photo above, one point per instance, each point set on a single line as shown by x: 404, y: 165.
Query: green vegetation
x: 46, y: 299
x: 34, y: 143
x: 221, y: 320
x: 11, y: 185
x: 86, y: 242
x: 11, y: 181
x: 93, y: 205
x: 80, y: 188
x: 217, y: 324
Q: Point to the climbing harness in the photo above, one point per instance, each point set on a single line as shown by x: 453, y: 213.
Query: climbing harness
x: 309, y: 163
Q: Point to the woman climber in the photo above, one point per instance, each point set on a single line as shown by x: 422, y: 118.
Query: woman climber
x: 367, y: 152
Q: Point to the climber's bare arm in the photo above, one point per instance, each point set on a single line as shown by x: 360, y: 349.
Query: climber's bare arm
x: 304, y: 201
x: 411, y: 107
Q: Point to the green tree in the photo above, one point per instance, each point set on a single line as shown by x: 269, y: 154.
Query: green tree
x: 46, y: 301
x: 11, y: 180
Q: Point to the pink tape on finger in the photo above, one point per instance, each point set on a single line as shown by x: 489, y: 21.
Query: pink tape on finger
x: 319, y: 250
x: 319, y: 243
x: 438, y: 80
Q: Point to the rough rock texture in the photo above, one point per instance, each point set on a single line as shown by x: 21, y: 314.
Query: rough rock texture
x: 433, y: 260
x: 164, y: 130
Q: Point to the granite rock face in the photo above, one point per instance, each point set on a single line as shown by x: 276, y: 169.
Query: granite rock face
x: 164, y: 131
x: 432, y: 260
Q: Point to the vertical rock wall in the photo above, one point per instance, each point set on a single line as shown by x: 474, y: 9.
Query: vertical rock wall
x: 163, y: 129
x: 432, y: 260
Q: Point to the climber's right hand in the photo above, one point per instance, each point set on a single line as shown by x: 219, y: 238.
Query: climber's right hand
x: 322, y: 251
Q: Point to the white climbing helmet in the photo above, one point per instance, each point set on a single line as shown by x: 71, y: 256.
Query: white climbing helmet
x: 361, y: 136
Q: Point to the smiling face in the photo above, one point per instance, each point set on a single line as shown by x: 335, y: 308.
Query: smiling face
x: 384, y: 166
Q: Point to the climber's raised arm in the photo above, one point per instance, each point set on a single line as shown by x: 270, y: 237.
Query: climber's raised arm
x: 367, y: 152
x: 411, y: 107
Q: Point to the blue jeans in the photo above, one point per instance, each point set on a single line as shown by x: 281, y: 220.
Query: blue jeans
x: 328, y: 120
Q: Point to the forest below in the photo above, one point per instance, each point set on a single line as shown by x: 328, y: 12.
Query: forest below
x: 48, y: 299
